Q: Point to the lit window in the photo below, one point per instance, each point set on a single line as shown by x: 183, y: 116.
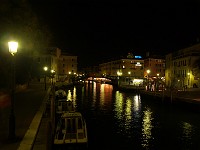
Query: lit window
x: 138, y: 64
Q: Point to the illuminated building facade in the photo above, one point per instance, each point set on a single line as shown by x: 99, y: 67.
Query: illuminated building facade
x: 62, y: 63
x: 130, y: 69
x: 156, y: 65
x: 182, y: 68
x: 67, y: 66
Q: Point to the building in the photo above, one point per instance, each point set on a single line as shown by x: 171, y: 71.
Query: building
x: 181, y: 66
x: 67, y: 67
x: 130, y: 70
x: 155, y: 65
x: 63, y: 65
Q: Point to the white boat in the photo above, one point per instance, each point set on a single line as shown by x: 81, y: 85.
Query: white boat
x: 60, y: 94
x: 71, y: 130
x: 63, y: 105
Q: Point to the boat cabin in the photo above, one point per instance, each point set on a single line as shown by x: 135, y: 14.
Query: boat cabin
x: 71, y: 129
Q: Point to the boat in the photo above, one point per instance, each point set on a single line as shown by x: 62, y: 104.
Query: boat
x: 60, y: 94
x: 63, y: 105
x: 71, y: 130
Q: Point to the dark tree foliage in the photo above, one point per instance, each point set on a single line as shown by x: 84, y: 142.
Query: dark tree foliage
x: 18, y: 22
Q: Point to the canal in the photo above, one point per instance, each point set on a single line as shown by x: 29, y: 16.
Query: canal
x: 120, y: 120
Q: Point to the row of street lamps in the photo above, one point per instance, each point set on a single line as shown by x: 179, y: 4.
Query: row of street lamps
x: 45, y: 76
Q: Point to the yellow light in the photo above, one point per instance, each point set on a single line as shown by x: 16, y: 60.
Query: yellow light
x: 13, y: 47
x: 45, y: 68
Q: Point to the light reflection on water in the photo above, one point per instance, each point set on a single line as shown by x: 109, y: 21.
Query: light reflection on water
x: 147, y: 127
x: 132, y: 123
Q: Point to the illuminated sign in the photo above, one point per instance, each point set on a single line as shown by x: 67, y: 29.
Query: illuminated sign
x: 138, y: 56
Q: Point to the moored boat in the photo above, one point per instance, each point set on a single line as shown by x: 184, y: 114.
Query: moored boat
x: 63, y: 105
x: 60, y: 94
x: 71, y: 130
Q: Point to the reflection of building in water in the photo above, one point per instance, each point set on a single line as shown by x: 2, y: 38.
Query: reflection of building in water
x: 146, y: 128
x: 125, y: 107
x: 187, y: 131
x: 118, y: 105
x: 136, y: 103
x: 102, y: 94
x: 71, y: 95
x: 105, y: 94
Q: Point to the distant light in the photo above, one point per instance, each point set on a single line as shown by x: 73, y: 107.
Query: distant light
x: 138, y: 56
x: 138, y: 64
x: 45, y: 68
x: 148, y: 71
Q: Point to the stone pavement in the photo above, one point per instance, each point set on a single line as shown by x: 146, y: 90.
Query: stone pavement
x: 29, y: 107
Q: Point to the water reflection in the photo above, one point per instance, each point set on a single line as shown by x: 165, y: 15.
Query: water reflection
x: 71, y: 95
x: 187, y: 133
x: 126, y: 121
x: 147, y: 128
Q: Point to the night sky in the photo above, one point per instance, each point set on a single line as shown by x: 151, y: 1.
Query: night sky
x: 99, y: 30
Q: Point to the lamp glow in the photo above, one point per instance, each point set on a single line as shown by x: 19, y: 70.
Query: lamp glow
x: 13, y: 47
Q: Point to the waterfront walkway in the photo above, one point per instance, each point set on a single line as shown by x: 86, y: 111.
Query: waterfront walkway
x: 190, y: 95
x: 28, y: 107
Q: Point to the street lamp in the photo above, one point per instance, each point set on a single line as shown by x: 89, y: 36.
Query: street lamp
x: 45, y: 76
x: 52, y: 75
x: 157, y: 82
x: 129, y: 77
x: 118, y: 77
x: 188, y: 79
x: 13, y: 50
x: 148, y: 71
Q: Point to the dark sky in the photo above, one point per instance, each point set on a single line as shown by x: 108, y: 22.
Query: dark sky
x: 101, y: 29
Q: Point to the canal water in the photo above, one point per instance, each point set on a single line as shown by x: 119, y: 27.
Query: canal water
x: 120, y: 120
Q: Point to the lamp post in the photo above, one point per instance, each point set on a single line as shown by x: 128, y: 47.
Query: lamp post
x: 188, y: 79
x: 13, y: 50
x: 129, y: 77
x: 148, y: 71
x: 157, y: 83
x: 118, y: 77
x: 45, y: 76
x: 52, y: 75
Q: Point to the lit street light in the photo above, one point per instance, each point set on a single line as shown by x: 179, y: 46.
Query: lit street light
x: 45, y: 76
x: 13, y: 50
x: 52, y: 75
x: 148, y: 71
x: 118, y: 77
x: 188, y: 79
x: 129, y: 77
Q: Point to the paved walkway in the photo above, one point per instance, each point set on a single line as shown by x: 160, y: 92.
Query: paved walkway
x: 29, y: 105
